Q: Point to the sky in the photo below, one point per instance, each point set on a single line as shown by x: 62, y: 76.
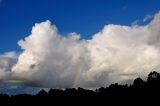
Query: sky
x: 85, y: 17
x: 82, y: 43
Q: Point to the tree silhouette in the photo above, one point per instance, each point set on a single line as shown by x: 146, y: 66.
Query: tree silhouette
x: 153, y: 77
x: 42, y: 93
x: 138, y: 83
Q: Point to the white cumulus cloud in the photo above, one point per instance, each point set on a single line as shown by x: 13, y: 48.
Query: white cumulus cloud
x: 115, y: 54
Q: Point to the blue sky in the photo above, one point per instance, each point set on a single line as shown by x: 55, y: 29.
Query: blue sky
x: 85, y: 17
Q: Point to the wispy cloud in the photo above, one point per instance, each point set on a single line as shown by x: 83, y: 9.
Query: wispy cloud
x: 135, y: 23
x: 147, y: 17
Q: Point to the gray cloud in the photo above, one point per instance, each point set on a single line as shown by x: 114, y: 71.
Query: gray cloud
x: 7, y: 61
x: 115, y: 54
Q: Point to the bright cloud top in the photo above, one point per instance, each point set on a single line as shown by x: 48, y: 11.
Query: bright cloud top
x: 115, y: 54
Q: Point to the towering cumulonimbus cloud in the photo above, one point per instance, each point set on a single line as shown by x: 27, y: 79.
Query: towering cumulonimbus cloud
x: 115, y: 54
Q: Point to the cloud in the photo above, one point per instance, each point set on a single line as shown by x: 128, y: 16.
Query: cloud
x: 135, y: 23
x: 7, y: 60
x: 115, y: 54
x: 147, y: 17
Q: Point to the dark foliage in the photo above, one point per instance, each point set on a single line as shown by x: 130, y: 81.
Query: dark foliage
x: 139, y: 91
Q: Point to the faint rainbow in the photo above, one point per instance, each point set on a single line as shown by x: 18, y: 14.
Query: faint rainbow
x: 76, y: 78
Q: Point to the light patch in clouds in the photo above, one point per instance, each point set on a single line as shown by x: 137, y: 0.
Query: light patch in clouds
x: 115, y: 54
